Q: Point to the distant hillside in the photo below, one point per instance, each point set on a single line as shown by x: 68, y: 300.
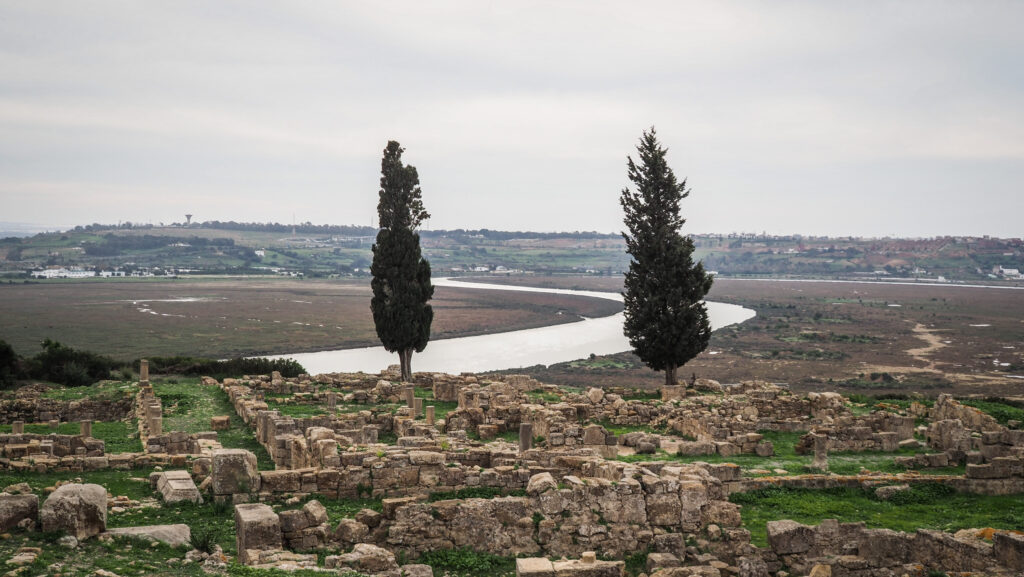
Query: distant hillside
x: 325, y: 250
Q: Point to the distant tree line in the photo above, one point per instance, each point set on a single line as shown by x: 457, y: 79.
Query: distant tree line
x: 114, y: 245
x: 58, y: 363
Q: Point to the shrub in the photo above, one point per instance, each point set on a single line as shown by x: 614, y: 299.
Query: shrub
x: 197, y: 367
x: 203, y: 539
x: 70, y: 367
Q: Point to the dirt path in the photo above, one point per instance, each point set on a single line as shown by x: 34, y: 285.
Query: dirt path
x: 935, y: 343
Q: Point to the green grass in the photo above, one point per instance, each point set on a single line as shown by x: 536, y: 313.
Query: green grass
x: 441, y: 408
x: 117, y: 436
x: 475, y: 493
x: 297, y: 410
x: 337, y: 509
x: 925, y: 506
x: 544, y: 396
x: 103, y: 390
x: 1000, y: 411
x: 468, y: 563
x: 624, y: 429
x: 188, y: 406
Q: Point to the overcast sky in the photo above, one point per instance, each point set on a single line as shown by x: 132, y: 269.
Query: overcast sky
x: 868, y: 118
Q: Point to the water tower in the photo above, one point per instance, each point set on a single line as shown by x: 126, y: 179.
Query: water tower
x: 188, y: 219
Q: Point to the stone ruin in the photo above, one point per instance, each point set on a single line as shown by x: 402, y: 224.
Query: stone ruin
x: 564, y: 496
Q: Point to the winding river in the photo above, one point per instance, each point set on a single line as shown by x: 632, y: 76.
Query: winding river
x: 508, y: 350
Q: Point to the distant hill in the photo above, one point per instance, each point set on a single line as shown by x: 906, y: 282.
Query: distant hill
x: 306, y: 249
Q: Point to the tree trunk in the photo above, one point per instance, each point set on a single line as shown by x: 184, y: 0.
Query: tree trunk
x: 406, y: 360
x: 670, y: 376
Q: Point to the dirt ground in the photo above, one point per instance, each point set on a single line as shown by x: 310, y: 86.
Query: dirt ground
x: 230, y: 317
x: 852, y: 337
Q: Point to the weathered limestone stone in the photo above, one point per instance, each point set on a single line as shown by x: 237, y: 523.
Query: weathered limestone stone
x: 820, y: 571
x: 673, y: 393
x: 1008, y: 549
x: 589, y: 568
x: 80, y: 510
x: 534, y: 567
x: 143, y: 371
x: 595, y: 395
x: 430, y: 415
x: 369, y: 517
x: 366, y: 558
x: 332, y: 400
x: 234, y: 471
x: 173, y: 535
x: 257, y: 528
x: 85, y: 428
x: 820, y: 461
x: 540, y: 483
x: 220, y: 423
x: 525, y: 437
x: 417, y: 407
x: 16, y: 508
x: 410, y: 396
x: 18, y: 427
x: 177, y: 486
x: 789, y: 537
x: 54, y: 424
x: 885, y: 493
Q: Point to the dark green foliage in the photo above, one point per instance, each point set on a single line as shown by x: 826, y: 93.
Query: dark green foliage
x: 401, y: 276
x: 666, y: 320
x: 203, y: 539
x: 475, y: 493
x: 1002, y: 410
x: 192, y: 366
x: 70, y: 367
x: 10, y: 365
x: 468, y: 562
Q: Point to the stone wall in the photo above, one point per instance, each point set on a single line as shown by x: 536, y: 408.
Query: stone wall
x: 849, y: 549
x: 31, y: 446
x: 32, y: 408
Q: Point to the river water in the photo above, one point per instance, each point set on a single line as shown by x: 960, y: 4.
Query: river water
x: 508, y: 350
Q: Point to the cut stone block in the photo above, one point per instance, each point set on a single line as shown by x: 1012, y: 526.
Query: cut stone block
x: 257, y: 528
x: 234, y: 471
x: 16, y: 508
x: 173, y: 535
x: 177, y: 486
x: 534, y: 567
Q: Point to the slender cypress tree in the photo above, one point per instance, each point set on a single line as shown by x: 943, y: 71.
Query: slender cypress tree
x: 666, y: 320
x: 401, y: 276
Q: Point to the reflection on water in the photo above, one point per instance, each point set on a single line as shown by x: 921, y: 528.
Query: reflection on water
x: 544, y: 346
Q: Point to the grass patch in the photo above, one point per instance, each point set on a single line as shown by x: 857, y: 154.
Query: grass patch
x: 204, y: 402
x: 624, y: 429
x: 475, y: 493
x: 117, y: 436
x: 101, y: 391
x: 468, y: 563
x: 998, y: 409
x: 925, y: 506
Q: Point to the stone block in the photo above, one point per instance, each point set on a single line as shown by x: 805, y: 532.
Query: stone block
x: 16, y: 508
x: 257, y: 528
x: 315, y: 512
x: 1008, y: 549
x: 583, y: 568
x: 534, y: 567
x: 234, y: 471
x: 283, y: 481
x: 173, y: 535
x: 79, y: 510
x: 177, y: 486
x: 541, y: 483
x: 221, y: 423
x: 789, y: 537
x: 426, y: 458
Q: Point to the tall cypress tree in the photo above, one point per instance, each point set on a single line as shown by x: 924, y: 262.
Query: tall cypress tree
x: 666, y: 320
x: 401, y: 276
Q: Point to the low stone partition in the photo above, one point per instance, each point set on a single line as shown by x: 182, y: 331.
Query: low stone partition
x: 32, y: 445
x: 177, y: 443
x: 1009, y: 485
x: 849, y: 549
x: 31, y: 407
